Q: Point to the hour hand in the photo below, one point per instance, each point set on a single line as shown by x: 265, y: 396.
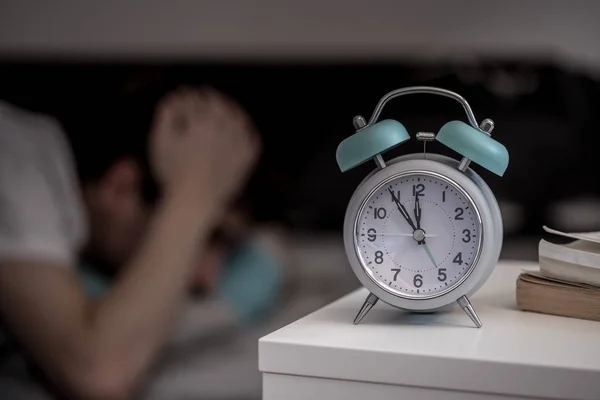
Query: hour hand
x: 417, y: 211
x: 402, y: 210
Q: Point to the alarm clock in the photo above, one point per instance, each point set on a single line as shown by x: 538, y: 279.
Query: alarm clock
x: 423, y: 231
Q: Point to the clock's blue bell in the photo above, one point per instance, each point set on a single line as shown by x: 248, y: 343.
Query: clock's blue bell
x: 475, y: 145
x: 370, y: 141
x: 473, y: 142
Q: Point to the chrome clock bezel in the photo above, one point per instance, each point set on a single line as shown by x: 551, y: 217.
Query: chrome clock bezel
x: 367, y: 199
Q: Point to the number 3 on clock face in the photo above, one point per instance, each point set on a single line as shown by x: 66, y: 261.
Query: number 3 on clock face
x: 418, y: 234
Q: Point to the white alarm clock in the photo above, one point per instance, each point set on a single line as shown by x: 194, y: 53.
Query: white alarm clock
x: 422, y: 231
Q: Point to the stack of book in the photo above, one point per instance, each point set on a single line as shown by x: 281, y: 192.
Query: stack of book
x: 567, y: 282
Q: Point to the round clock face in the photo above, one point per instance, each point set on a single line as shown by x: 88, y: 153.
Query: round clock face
x: 418, y: 235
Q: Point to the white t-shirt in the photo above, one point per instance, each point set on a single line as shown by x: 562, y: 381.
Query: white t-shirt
x: 41, y: 213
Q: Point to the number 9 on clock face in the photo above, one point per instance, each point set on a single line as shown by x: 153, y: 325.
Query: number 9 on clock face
x: 418, y: 235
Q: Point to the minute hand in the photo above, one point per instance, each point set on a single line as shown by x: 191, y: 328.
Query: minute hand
x: 402, y: 210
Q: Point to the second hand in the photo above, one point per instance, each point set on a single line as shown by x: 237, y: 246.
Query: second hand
x: 427, y: 235
x: 429, y: 254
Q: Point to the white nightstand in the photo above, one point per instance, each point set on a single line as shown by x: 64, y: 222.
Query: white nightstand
x: 394, y: 355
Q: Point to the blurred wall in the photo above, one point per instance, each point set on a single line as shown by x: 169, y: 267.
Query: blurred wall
x: 564, y: 31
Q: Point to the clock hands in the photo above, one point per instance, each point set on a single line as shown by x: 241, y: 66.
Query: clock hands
x: 417, y: 210
x: 418, y: 219
x: 418, y: 234
x: 429, y: 253
x: 427, y: 235
x: 402, y: 210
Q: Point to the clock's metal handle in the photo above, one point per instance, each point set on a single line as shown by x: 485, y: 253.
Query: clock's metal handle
x: 426, y: 90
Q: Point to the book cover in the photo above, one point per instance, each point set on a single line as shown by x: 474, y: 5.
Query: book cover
x: 539, y: 293
x: 567, y: 282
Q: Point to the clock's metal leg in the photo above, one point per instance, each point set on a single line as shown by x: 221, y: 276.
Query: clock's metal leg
x: 366, y: 307
x: 465, y: 304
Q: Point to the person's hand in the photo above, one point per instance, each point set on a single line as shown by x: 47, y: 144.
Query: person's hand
x: 202, y: 141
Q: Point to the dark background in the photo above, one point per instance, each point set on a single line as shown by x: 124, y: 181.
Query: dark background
x: 305, y: 69
x: 544, y: 115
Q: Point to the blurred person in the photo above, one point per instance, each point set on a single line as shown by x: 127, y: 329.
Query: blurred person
x: 94, y: 332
